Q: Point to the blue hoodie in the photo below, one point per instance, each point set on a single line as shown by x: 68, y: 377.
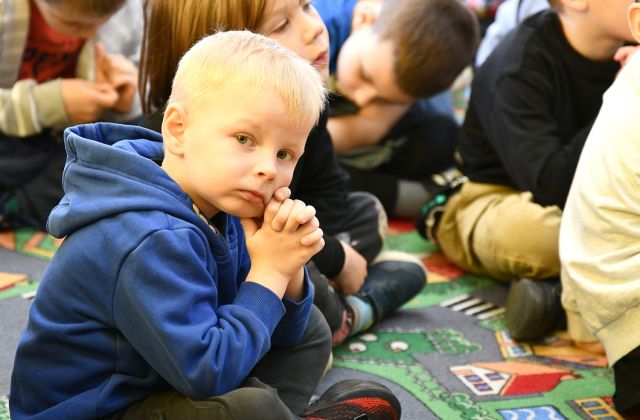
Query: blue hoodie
x: 143, y: 295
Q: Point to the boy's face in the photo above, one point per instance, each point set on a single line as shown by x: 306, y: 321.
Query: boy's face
x: 296, y: 25
x: 67, y: 21
x: 610, y: 16
x: 238, y: 147
x: 364, y: 71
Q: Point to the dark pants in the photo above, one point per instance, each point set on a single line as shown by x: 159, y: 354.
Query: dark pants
x: 627, y: 378
x: 422, y: 143
x: 31, y: 171
x: 279, y: 387
x: 365, y: 219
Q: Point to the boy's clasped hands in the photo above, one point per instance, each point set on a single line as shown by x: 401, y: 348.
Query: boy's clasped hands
x: 282, y: 243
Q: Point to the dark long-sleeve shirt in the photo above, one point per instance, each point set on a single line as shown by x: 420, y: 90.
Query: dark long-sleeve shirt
x: 532, y: 105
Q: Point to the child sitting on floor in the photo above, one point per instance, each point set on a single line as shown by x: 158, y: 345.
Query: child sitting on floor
x: 391, y: 120
x: 155, y: 305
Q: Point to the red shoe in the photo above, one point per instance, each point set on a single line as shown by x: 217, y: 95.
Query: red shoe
x: 355, y: 399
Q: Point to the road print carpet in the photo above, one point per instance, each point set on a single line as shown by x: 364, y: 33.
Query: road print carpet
x: 446, y: 354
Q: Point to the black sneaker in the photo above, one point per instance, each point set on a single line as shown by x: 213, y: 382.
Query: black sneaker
x: 354, y: 399
x: 393, y: 278
x: 440, y: 187
x: 534, y: 308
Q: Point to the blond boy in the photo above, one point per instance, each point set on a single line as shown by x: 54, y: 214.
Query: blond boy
x: 159, y: 302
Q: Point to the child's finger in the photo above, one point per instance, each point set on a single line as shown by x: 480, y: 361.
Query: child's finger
x: 282, y: 193
x: 305, y: 214
x: 309, y: 227
x: 312, y: 238
x: 281, y: 218
x: 292, y: 223
x: 317, y: 247
x: 274, y: 203
x: 105, y: 96
x: 121, y: 79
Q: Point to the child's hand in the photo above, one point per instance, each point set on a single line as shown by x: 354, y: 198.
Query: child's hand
x: 84, y: 101
x: 624, y: 53
x: 354, y: 272
x: 277, y: 256
x: 117, y: 71
x: 124, y: 79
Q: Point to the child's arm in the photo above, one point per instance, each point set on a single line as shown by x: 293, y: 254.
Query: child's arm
x: 365, y: 128
x: 353, y: 273
x: 193, y: 321
x: 29, y: 107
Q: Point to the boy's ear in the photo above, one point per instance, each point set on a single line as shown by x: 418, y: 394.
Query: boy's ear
x: 634, y: 20
x: 365, y: 13
x: 174, y: 125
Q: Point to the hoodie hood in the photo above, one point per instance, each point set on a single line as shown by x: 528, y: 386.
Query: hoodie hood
x: 112, y: 169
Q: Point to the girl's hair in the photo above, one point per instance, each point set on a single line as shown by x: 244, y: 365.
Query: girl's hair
x: 171, y: 27
x: 243, y: 58
x: 91, y: 7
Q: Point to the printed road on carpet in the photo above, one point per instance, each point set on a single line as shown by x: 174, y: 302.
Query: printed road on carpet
x: 446, y: 354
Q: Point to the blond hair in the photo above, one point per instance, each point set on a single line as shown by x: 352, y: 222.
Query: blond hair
x: 91, y: 7
x: 173, y: 26
x: 243, y: 58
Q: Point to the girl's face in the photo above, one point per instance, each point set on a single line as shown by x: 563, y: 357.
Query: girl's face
x: 296, y: 24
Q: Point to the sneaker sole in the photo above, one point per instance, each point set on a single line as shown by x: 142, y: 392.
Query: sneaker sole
x: 400, y: 256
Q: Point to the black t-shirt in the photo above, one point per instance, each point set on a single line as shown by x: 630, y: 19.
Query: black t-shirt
x: 532, y: 105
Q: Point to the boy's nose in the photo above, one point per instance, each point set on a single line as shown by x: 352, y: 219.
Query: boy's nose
x: 266, y: 168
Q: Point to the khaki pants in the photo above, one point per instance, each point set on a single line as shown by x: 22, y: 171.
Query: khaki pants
x: 493, y: 230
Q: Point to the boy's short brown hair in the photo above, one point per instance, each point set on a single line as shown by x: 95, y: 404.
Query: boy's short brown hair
x: 91, y: 7
x: 434, y: 41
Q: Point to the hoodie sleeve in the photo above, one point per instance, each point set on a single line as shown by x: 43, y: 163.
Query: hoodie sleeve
x: 166, y: 304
